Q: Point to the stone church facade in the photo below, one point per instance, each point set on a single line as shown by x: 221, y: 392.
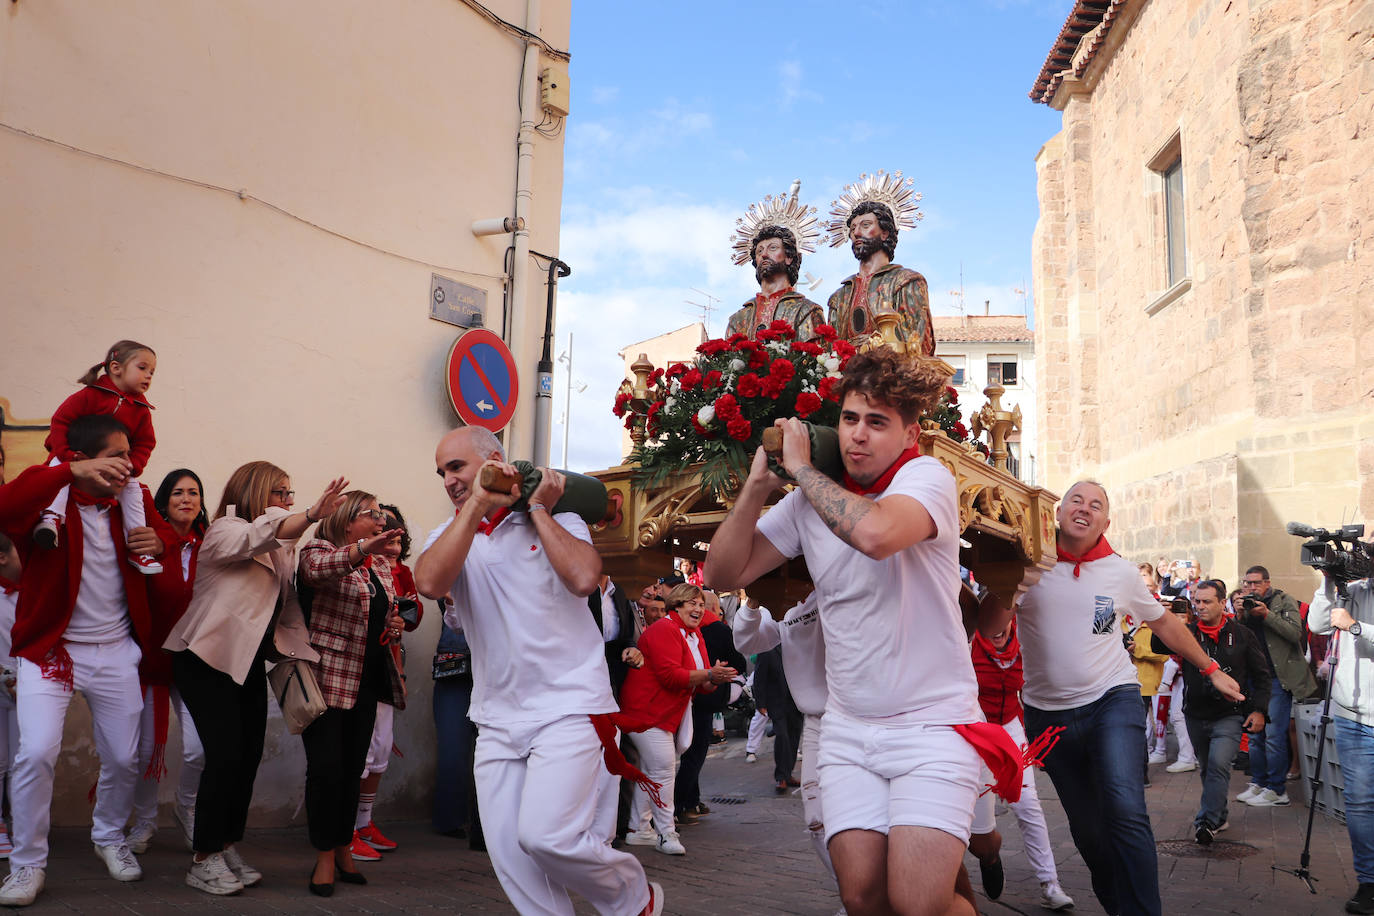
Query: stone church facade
x: 1204, y: 273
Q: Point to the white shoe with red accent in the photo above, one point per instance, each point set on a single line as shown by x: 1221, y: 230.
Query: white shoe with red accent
x: 145, y: 564
x: 655, y: 906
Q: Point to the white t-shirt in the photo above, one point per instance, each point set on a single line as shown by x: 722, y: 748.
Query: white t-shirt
x: 101, y: 610
x: 803, y: 648
x: 895, y: 648
x: 537, y: 654
x: 1070, y: 641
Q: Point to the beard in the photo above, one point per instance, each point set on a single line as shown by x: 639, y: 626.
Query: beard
x: 864, y: 248
x: 766, y: 268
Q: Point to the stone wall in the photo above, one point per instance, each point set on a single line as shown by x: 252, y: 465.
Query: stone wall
x: 1237, y: 401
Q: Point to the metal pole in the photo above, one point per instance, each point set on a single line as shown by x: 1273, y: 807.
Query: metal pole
x: 567, y: 403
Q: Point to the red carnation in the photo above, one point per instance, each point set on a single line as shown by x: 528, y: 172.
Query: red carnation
x: 843, y: 349
x: 736, y: 340
x: 748, y: 385
x: 691, y: 379
x: 622, y: 401
x: 783, y: 328
x: 829, y: 389
x: 960, y: 430
x: 712, y: 347
x: 726, y: 407
x: 651, y: 418
x: 782, y: 370
x: 629, y: 421
x: 805, y: 346
x: 827, y: 332
x: 739, y: 428
x: 655, y: 377
x: 951, y: 394
x: 808, y: 403
x: 712, y: 378
x: 771, y: 386
x: 701, y: 430
x: 758, y: 359
x: 676, y: 369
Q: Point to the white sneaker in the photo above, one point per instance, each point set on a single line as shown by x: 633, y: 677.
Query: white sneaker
x: 186, y: 818
x: 247, y: 874
x: 1159, y: 757
x: 1268, y: 799
x: 45, y: 533
x: 641, y: 838
x: 1052, y: 896
x: 1250, y: 792
x: 120, y: 861
x: 140, y: 837
x: 213, y: 876
x: 751, y: 758
x: 1181, y: 766
x: 22, y: 887
x: 655, y: 907
x: 670, y: 845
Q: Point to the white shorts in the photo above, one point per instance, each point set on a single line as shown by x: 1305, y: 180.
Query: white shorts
x: 875, y: 777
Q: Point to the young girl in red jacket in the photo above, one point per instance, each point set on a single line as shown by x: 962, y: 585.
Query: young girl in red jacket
x: 114, y: 386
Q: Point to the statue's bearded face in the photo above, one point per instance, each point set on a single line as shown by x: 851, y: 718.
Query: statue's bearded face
x: 770, y: 259
x: 866, y: 236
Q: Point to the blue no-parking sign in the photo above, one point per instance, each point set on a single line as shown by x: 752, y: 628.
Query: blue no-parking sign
x: 482, y: 381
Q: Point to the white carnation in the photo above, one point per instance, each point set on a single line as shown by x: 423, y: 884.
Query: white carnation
x: 832, y: 365
x: 738, y: 365
x: 706, y: 415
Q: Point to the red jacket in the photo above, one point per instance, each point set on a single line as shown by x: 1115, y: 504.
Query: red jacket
x: 51, y: 578
x: 1000, y: 678
x: 169, y: 594
x: 104, y: 397
x: 657, y: 695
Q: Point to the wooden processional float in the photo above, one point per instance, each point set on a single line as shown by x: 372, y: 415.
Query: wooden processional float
x: 1008, y: 526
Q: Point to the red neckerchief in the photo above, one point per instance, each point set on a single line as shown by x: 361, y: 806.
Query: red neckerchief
x: 686, y: 632
x: 1096, y: 552
x: 882, y: 482
x: 1213, y: 632
x: 189, y: 539
x: 82, y: 498
x: 7, y: 587
x: 486, y: 526
x: 1008, y: 653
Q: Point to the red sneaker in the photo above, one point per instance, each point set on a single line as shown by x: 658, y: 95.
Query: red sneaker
x: 145, y: 564
x: 374, y: 838
x: 363, y: 852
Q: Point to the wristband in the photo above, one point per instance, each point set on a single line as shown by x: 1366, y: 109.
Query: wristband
x: 307, y: 514
x: 538, y: 507
x: 1211, y: 669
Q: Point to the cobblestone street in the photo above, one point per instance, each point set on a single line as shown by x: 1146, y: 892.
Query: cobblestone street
x: 750, y: 855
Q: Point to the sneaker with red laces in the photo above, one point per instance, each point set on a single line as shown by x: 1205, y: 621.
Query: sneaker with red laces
x: 145, y: 564
x: 375, y: 838
x: 363, y: 852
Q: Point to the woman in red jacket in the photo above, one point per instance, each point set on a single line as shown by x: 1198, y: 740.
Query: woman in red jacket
x: 653, y: 709
x: 181, y: 501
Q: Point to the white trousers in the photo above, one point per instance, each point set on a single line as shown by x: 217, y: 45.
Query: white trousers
x: 538, y: 789
x: 757, y: 726
x: 658, y: 761
x: 192, y: 760
x: 383, y: 737
x: 1035, y: 835
x: 1180, y: 727
x: 811, y: 789
x: 107, y: 674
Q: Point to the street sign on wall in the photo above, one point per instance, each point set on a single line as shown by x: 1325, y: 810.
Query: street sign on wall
x: 482, y: 382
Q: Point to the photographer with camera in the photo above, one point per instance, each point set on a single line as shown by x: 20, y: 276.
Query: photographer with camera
x: 1275, y: 619
x: 1352, y: 695
x: 1214, y: 721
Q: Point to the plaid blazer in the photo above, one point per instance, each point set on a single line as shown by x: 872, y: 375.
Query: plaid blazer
x: 338, y: 622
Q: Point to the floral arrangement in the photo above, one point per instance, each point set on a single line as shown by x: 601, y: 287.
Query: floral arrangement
x: 946, y: 415
x: 715, y: 409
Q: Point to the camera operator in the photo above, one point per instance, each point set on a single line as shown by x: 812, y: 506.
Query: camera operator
x: 1215, y: 722
x: 1276, y: 620
x: 1352, y: 696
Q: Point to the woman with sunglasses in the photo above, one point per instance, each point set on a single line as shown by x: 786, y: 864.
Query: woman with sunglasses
x: 654, y: 710
x: 350, y: 603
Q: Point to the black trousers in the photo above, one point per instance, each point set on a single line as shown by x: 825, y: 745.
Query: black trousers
x: 687, y: 788
x: 231, y: 721
x: 335, y: 753
x: 787, y: 731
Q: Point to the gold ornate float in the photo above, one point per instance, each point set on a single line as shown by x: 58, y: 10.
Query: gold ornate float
x: 1007, y: 524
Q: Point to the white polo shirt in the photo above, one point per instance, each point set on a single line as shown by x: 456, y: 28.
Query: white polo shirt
x: 895, y: 648
x: 101, y: 610
x: 803, y: 648
x: 1071, y: 644
x: 537, y: 654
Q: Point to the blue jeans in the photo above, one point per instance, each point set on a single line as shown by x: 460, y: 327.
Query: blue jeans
x: 1355, y: 746
x: 1216, y: 742
x: 1269, y: 757
x: 1095, y: 769
x: 455, y: 799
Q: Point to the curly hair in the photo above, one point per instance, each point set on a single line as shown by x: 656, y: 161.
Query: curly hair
x: 789, y: 247
x: 397, y: 520
x: 909, y: 386
x: 885, y: 223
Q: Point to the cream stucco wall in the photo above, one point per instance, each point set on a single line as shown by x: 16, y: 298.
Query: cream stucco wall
x: 290, y: 312
x: 1023, y: 394
x: 1244, y: 401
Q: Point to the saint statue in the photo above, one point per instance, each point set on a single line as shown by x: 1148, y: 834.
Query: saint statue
x: 868, y: 216
x: 772, y: 236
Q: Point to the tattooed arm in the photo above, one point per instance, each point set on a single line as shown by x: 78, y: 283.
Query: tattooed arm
x: 877, y: 529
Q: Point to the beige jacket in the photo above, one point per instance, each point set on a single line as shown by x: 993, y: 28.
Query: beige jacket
x: 243, y: 573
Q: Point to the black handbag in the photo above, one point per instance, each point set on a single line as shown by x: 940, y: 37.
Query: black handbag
x: 448, y: 665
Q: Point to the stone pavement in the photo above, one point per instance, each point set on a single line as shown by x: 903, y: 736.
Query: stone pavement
x: 751, y: 856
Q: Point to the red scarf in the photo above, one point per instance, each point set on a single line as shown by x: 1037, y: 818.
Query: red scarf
x: 1213, y: 632
x: 882, y: 482
x: 1008, y: 653
x: 486, y: 526
x: 7, y: 587
x: 1003, y: 758
x: 1096, y: 552
x: 686, y: 632
x: 82, y: 498
x: 615, y: 761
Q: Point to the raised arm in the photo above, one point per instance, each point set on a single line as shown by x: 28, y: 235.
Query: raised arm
x: 754, y: 631
x: 575, y: 560
x: 438, y: 567
x: 740, y: 553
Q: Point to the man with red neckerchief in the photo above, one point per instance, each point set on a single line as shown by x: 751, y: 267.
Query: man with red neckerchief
x: 1080, y: 677
x: 898, y: 779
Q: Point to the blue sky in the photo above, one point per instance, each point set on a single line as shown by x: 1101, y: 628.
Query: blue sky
x: 684, y: 114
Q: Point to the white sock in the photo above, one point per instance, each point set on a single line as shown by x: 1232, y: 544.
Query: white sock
x: 365, y: 802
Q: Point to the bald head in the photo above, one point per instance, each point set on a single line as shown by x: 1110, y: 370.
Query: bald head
x: 459, y: 456
x: 1083, y: 516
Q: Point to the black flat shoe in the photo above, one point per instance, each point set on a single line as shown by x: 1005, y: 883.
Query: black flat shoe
x: 349, y: 877
x: 320, y: 890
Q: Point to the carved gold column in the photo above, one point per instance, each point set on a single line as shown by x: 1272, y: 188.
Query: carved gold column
x: 998, y: 423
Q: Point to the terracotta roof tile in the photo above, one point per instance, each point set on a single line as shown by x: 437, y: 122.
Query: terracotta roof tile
x: 1086, y: 16
x: 976, y: 328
